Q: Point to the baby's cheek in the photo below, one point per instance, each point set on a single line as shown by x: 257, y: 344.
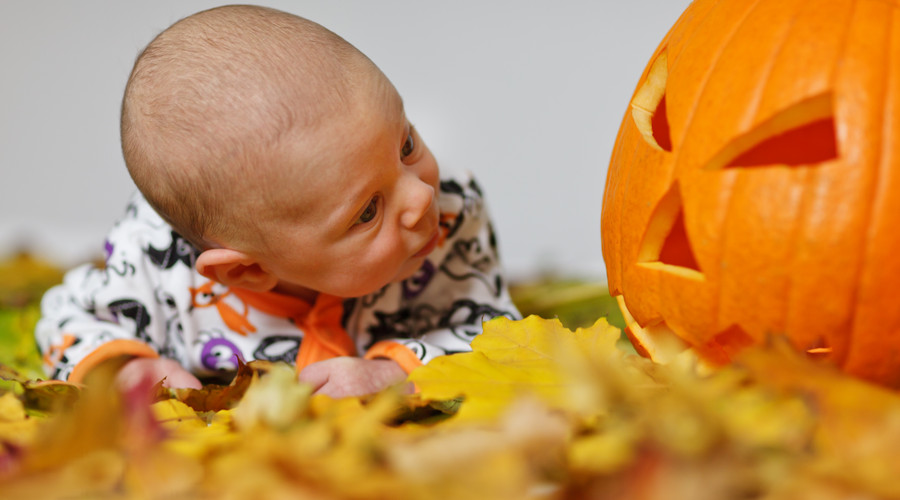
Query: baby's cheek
x: 369, y: 269
x: 362, y: 280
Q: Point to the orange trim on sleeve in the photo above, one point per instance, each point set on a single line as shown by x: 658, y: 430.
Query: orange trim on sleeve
x: 109, y: 350
x: 398, y: 352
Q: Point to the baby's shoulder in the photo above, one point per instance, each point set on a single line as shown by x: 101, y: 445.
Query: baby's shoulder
x: 138, y: 212
x: 460, y: 183
x: 141, y: 230
x: 460, y: 193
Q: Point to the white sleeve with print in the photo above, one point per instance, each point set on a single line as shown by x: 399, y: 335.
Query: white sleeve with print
x: 148, y: 291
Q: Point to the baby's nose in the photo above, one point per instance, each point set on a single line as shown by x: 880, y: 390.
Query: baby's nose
x: 419, y: 202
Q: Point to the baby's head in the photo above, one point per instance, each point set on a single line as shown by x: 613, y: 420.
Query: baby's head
x: 211, y: 99
x: 282, y: 152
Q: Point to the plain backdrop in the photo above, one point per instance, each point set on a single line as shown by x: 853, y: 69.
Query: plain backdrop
x: 526, y: 94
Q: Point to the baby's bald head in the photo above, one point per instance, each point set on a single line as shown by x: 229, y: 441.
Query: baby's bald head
x: 210, y: 98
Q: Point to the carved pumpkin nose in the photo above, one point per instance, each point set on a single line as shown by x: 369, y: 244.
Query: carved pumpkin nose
x: 754, y: 185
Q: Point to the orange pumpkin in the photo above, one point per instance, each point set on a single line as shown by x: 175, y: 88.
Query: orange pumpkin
x: 754, y: 187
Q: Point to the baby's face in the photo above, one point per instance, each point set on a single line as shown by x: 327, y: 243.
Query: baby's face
x: 356, y: 206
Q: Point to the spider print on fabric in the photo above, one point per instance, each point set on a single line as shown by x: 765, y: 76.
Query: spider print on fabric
x: 220, y: 354
x: 212, y: 294
x: 405, y: 322
x: 468, y: 260
x: 418, y: 282
x: 278, y: 348
x: 136, y: 312
x: 179, y: 250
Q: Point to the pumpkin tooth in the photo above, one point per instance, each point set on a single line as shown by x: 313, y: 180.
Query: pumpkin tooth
x: 657, y: 342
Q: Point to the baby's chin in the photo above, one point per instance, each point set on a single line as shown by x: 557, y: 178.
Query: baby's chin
x: 408, y: 270
x: 411, y: 268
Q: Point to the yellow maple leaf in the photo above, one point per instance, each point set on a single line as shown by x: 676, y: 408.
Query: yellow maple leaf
x: 275, y: 400
x: 188, y: 433
x: 857, y: 431
x: 514, y: 359
x: 508, y: 458
x: 293, y: 445
x: 15, y: 426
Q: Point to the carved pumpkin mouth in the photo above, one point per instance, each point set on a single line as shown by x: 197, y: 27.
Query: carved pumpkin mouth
x: 661, y: 344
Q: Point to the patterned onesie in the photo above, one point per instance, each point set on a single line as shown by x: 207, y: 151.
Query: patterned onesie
x: 148, y: 300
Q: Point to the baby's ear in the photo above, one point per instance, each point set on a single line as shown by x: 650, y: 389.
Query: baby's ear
x: 234, y: 268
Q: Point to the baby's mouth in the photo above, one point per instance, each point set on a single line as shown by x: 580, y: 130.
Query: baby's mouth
x: 429, y: 247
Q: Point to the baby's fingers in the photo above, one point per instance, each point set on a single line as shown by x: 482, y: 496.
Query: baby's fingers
x: 317, y: 374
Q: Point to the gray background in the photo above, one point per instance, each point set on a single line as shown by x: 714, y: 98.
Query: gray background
x: 526, y: 94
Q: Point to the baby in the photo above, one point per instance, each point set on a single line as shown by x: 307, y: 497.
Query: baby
x: 288, y: 211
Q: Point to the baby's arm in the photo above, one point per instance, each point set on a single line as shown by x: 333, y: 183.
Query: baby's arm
x: 349, y: 376
x: 91, y: 317
x: 119, y: 308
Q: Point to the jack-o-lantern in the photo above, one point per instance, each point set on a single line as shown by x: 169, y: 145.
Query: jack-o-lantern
x: 754, y: 187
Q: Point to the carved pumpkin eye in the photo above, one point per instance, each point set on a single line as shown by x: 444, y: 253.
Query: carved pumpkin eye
x: 648, y: 108
x: 666, y: 244
x: 801, y: 135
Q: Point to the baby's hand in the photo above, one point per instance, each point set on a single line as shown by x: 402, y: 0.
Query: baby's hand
x: 153, y: 370
x: 347, y: 376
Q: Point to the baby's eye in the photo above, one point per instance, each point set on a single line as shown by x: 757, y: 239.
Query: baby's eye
x: 369, y: 213
x: 408, y: 147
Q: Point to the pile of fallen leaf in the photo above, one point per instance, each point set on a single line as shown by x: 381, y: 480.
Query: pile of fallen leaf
x: 535, y: 411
